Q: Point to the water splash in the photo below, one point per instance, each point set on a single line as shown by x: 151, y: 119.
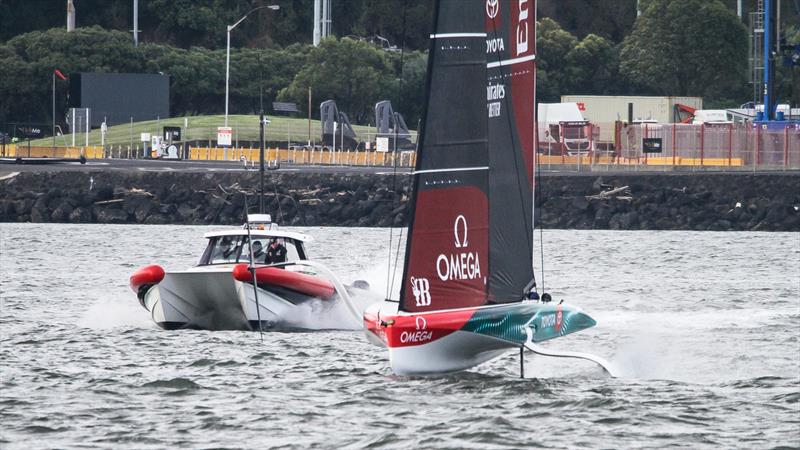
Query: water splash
x: 115, y: 313
x: 319, y: 314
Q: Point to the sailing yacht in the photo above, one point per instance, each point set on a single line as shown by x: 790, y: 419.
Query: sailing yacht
x: 468, y: 290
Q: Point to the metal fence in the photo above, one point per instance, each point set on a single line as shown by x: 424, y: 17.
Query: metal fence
x: 683, y: 146
x: 612, y: 147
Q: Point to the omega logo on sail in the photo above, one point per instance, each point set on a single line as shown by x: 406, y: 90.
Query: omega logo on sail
x: 522, y: 27
x: 462, y: 265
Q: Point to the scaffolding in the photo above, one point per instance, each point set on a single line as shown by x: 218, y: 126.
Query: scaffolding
x: 757, y: 30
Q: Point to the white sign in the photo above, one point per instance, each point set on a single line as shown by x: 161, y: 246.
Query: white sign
x: 145, y: 137
x: 382, y: 144
x: 224, y: 135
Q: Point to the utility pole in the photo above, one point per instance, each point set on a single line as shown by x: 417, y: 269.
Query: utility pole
x: 261, y: 122
x: 135, y: 23
x: 70, y: 16
x: 317, y: 19
x: 768, y: 60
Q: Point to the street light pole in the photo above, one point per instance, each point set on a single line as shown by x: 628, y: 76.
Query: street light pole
x: 228, y: 53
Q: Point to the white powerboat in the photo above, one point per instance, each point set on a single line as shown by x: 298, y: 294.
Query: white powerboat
x: 219, y: 293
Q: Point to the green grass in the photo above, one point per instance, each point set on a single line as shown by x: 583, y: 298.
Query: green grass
x: 204, y: 128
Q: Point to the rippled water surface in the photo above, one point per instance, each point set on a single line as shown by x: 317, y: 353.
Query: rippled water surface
x: 705, y: 328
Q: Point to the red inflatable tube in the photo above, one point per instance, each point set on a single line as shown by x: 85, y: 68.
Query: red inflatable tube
x: 306, y: 284
x: 147, y: 275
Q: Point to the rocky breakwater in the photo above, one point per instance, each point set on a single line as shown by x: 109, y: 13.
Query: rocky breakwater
x: 201, y: 199
x: 699, y: 201
x: 761, y: 202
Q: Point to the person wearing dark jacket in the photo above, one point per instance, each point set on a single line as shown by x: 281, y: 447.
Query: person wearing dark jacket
x: 276, y: 253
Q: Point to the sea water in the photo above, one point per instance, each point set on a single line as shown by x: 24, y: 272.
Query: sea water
x: 704, y: 328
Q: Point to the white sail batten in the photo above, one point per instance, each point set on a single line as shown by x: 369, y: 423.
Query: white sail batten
x: 457, y: 35
x: 511, y: 62
x: 454, y: 169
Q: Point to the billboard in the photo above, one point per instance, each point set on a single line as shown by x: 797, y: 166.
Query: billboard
x: 119, y: 96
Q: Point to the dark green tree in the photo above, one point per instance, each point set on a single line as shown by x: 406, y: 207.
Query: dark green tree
x: 611, y: 19
x: 593, y: 67
x: 553, y: 45
x: 353, y: 73
x: 407, y: 90
x: 28, y: 61
x: 687, y: 47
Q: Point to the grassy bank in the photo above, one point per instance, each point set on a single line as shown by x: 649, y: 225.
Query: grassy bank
x: 204, y: 128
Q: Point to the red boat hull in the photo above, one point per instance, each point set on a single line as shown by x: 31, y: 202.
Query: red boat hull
x: 296, y: 281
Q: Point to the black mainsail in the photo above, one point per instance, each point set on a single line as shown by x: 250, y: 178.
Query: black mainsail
x: 470, y: 234
x: 510, y: 96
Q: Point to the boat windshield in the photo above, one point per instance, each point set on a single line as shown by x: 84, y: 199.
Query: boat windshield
x: 266, y: 250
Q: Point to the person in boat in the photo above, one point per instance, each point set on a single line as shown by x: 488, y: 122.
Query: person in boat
x: 223, y: 251
x: 276, y: 252
x: 258, y: 251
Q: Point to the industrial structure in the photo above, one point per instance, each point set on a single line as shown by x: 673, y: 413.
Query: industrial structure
x: 766, y: 49
x: 322, y: 20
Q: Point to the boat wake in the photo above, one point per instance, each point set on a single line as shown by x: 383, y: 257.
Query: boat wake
x: 326, y: 315
x: 113, y: 313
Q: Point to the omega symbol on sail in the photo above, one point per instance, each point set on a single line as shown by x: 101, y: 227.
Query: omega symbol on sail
x: 421, y: 289
x: 462, y: 264
x: 492, y: 8
x: 460, y: 220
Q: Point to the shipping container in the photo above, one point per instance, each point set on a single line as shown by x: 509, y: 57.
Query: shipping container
x: 603, y: 111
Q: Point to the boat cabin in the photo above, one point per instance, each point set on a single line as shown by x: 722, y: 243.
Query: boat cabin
x: 270, y: 245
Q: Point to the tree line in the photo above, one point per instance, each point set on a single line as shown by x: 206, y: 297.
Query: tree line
x: 676, y: 47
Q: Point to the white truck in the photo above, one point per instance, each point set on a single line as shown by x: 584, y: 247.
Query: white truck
x: 711, y: 117
x: 563, y: 130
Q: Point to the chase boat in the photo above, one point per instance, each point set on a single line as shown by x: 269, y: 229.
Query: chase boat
x: 220, y: 293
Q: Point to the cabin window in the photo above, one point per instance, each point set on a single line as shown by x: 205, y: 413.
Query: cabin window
x: 289, y: 244
x: 236, y: 249
x: 259, y: 250
x: 224, y: 250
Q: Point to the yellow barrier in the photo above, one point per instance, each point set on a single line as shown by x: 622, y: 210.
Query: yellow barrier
x: 23, y: 151
x: 733, y: 162
x: 307, y: 157
x: 355, y: 158
x: 641, y: 161
x: 10, y: 151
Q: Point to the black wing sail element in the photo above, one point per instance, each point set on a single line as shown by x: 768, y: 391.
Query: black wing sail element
x: 510, y: 98
x: 447, y: 253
